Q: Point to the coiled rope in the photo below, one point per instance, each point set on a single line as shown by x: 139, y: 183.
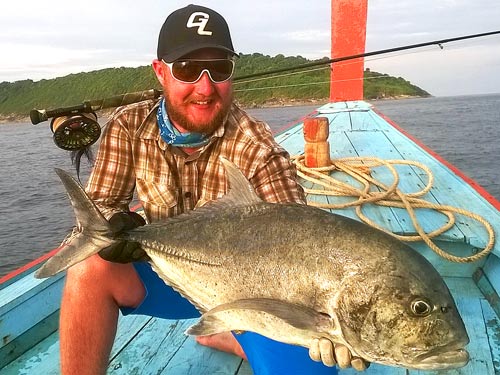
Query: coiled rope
x: 390, y: 196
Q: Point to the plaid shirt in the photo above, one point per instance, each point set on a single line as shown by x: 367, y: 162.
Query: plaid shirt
x: 133, y: 157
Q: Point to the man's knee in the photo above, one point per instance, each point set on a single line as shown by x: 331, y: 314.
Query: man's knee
x: 100, y: 277
x: 89, y: 273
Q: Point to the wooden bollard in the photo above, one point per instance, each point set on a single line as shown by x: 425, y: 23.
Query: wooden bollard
x: 317, y: 148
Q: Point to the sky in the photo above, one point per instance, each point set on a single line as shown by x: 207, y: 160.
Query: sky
x: 53, y: 38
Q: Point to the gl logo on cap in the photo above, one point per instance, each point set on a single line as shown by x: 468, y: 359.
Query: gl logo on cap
x: 200, y: 20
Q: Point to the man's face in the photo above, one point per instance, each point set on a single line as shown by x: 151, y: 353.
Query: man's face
x: 196, y: 107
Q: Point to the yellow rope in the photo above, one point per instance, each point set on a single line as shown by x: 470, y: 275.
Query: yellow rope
x: 390, y: 196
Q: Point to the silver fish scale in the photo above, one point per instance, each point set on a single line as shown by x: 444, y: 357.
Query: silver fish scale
x: 265, y: 251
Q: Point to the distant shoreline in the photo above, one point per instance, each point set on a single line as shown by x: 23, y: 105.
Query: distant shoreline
x: 274, y: 103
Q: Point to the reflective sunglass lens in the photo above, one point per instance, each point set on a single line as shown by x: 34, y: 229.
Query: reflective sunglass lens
x: 185, y: 71
x: 190, y: 71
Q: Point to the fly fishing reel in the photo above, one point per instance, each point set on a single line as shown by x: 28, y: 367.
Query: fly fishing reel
x: 74, y: 128
x: 75, y: 132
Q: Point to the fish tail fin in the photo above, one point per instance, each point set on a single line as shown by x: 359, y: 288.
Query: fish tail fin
x: 92, y: 233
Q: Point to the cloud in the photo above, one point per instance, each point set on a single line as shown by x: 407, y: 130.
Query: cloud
x: 447, y: 72
x: 55, y: 37
x: 310, y: 35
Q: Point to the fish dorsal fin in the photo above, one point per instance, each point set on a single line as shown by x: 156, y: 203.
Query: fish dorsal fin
x: 241, y: 192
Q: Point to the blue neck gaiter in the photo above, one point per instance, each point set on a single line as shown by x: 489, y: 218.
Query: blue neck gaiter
x: 172, y: 136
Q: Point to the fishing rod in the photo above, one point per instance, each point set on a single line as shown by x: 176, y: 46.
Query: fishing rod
x: 365, y: 54
x: 76, y: 128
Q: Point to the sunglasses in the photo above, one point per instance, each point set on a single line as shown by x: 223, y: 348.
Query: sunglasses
x: 190, y: 71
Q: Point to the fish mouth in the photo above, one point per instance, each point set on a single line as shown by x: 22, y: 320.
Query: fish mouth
x: 443, y: 358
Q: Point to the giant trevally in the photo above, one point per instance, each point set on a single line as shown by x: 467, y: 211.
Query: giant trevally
x: 291, y: 272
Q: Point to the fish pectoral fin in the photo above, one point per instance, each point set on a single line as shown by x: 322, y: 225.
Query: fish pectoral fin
x: 208, y: 325
x: 260, y: 315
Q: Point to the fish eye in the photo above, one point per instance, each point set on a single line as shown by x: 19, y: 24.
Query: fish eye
x: 420, y: 307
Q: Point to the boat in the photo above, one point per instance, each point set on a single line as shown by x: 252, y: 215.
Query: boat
x: 361, y: 140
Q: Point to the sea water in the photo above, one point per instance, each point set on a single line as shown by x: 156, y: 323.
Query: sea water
x: 36, y: 215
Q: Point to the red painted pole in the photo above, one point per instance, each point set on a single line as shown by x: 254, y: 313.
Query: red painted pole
x: 316, y: 147
x: 348, y: 38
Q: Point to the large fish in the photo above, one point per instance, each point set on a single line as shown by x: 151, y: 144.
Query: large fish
x: 290, y: 272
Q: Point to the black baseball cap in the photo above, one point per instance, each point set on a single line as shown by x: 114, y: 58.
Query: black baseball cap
x: 192, y: 28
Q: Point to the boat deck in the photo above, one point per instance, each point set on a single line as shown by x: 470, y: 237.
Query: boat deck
x: 146, y: 345
x: 149, y: 345
x: 356, y: 130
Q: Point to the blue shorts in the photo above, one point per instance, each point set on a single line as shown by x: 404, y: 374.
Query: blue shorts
x: 265, y: 356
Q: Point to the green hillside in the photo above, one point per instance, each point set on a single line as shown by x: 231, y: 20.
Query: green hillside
x: 18, y: 98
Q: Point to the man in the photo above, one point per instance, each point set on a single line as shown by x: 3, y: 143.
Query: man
x: 168, y: 153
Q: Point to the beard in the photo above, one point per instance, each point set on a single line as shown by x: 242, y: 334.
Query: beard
x: 178, y: 117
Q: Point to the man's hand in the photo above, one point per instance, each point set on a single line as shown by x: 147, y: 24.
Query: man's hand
x: 323, y: 350
x: 124, y: 251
